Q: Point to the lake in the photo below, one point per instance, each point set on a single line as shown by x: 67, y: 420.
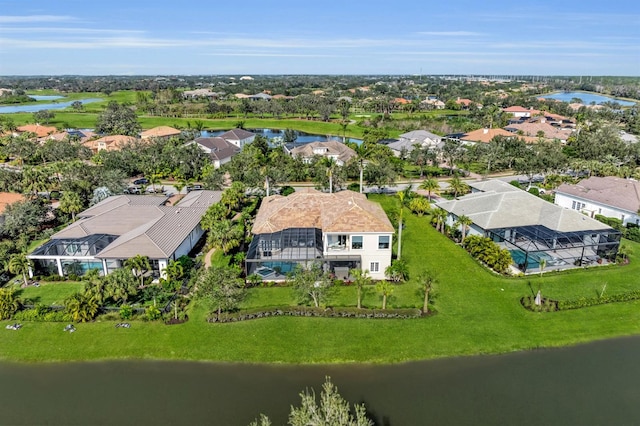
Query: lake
x: 39, y: 107
x: 301, y: 137
x: 595, y: 384
x: 587, y: 98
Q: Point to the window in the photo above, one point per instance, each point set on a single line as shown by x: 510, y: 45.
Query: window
x: 573, y: 205
x: 374, y: 267
x: 383, y: 242
x: 356, y: 242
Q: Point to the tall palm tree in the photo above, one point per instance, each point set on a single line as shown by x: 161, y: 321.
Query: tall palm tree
x: 430, y: 185
x: 464, y: 222
x: 458, y: 186
x: 426, y: 282
x: 361, y: 279
x: 19, y: 264
x: 362, y: 152
x: 330, y: 165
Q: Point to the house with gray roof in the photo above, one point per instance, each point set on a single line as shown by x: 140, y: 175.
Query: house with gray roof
x: 533, y: 229
x: 238, y: 137
x: 219, y: 149
x: 417, y: 138
x: 607, y: 196
x: 121, y: 227
x: 336, y: 150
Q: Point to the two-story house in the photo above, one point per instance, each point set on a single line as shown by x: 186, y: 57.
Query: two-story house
x: 341, y: 231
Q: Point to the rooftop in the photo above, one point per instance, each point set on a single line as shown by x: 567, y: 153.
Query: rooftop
x: 611, y: 191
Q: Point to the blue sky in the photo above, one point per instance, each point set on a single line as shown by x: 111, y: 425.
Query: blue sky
x: 42, y: 37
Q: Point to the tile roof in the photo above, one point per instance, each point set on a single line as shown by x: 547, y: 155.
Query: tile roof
x: 345, y: 211
x: 335, y: 149
x: 144, y: 224
x: 7, y: 198
x: 40, y: 131
x: 610, y: 191
x: 110, y: 143
x: 485, y: 135
x: 159, y: 132
x: 218, y: 148
x: 531, y: 129
x: 236, y: 134
x: 509, y: 207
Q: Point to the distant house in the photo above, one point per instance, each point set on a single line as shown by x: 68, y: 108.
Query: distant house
x: 238, y: 137
x: 6, y: 199
x: 432, y: 103
x: 160, y: 132
x: 533, y: 229
x: 606, y: 196
x: 486, y: 135
x: 260, y: 96
x: 539, y: 127
x: 408, y: 141
x: 121, y: 227
x: 76, y: 135
x: 37, y: 129
x: 466, y: 103
x: 518, y: 111
x: 200, y: 93
x: 340, y: 152
x: 109, y: 143
x: 220, y: 150
x: 341, y: 231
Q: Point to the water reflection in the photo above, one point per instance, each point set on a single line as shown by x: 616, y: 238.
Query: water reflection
x: 588, y: 384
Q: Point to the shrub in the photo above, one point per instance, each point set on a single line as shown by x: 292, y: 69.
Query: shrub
x: 306, y: 311
x: 152, y: 313
x: 488, y: 252
x: 126, y: 312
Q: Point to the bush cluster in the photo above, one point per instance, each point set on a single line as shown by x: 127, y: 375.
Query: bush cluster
x: 585, y: 302
x: 42, y: 314
x: 304, y: 311
x: 488, y: 252
x: 630, y: 232
x: 546, y: 305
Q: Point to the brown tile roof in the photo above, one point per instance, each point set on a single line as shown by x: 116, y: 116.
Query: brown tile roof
x: 109, y: 143
x: 40, y: 131
x: 7, y: 198
x: 531, y: 128
x: 160, y: 132
x: 611, y: 191
x: 485, y: 135
x: 345, y: 211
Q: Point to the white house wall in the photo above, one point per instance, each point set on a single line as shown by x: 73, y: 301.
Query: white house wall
x: 370, y: 253
x: 592, y: 208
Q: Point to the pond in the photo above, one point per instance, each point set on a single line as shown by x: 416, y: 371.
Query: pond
x: 595, y: 384
x: 587, y: 98
x: 301, y: 137
x: 40, y: 107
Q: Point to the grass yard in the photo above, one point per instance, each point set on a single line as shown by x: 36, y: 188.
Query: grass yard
x: 50, y: 293
x: 477, y: 313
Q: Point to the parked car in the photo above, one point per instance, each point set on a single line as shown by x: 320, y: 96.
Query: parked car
x: 196, y: 187
x: 141, y: 181
x: 133, y: 190
x: 156, y: 190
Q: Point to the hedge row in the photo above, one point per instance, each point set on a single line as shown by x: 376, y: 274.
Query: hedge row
x: 549, y: 305
x: 304, y: 311
x: 585, y: 302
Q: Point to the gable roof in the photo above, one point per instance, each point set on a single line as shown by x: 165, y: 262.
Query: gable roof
x: 159, y: 132
x: 237, y: 134
x: 345, y: 211
x: 505, y: 206
x: 611, y: 191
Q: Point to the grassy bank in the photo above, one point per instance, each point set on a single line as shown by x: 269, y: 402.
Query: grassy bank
x: 477, y: 313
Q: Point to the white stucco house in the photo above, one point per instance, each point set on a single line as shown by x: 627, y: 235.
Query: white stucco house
x: 121, y: 227
x: 606, y: 196
x: 341, y: 231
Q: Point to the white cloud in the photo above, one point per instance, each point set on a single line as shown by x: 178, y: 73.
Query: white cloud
x: 35, y: 18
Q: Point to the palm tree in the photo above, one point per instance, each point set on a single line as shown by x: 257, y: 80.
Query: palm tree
x: 19, y: 264
x: 82, y: 307
x: 9, y: 303
x: 463, y: 222
x: 439, y: 216
x: 542, y: 263
x: 225, y: 235
x: 426, y: 282
x: 70, y: 202
x: 430, y: 185
x: 330, y: 164
x: 386, y: 289
x: 457, y: 186
x: 361, y: 279
x: 139, y: 265
x: 362, y: 152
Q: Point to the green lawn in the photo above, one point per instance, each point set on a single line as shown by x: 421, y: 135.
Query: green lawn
x: 50, y: 293
x: 477, y: 312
